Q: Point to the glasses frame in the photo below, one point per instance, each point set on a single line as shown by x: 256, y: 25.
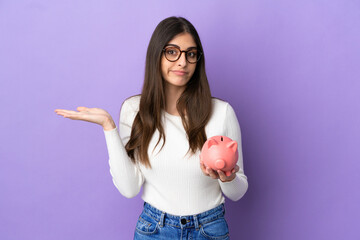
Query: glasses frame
x: 181, y: 51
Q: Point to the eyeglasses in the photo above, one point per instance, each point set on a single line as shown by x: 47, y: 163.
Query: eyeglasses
x: 173, y: 54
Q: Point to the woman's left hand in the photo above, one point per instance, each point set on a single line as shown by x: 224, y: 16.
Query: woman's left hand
x: 219, y: 174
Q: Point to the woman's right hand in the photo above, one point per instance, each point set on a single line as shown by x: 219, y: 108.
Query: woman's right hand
x: 94, y: 115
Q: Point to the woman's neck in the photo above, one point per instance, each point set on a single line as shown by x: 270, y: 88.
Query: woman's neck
x: 172, y: 94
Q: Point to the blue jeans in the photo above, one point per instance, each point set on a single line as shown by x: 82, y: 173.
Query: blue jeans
x: 156, y: 224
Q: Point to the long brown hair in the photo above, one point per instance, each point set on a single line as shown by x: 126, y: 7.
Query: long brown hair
x: 195, y: 100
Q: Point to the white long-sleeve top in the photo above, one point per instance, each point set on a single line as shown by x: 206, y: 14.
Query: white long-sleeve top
x: 175, y: 183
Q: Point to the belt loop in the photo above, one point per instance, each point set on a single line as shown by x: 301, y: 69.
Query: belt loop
x: 196, y: 222
x: 162, y: 219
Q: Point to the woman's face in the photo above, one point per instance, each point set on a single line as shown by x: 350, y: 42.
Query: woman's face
x: 177, y: 74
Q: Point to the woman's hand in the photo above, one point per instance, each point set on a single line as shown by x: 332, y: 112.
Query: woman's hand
x: 219, y: 174
x: 94, y: 115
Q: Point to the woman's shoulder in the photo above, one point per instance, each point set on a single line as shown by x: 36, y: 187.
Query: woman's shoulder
x: 219, y: 109
x: 222, y: 108
x: 219, y: 103
x: 132, y: 102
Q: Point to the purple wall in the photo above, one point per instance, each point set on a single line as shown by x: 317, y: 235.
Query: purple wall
x: 289, y: 68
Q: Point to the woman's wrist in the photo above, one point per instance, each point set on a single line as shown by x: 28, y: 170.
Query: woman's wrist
x: 109, y: 125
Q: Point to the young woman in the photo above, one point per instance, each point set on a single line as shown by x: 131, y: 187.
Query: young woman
x: 160, y: 135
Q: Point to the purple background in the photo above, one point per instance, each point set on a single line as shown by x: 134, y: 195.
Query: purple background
x: 290, y: 69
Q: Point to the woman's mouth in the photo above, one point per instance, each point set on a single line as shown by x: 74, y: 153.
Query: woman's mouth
x: 179, y: 73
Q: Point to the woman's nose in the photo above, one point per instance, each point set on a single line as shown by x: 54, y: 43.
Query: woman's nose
x: 182, y: 59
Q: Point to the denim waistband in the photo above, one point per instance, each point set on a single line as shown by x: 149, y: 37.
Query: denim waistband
x: 184, y: 221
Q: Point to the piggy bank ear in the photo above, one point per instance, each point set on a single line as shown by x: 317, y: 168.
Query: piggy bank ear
x: 232, y: 145
x: 212, y: 142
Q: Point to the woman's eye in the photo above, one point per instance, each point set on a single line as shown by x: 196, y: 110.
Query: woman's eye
x: 172, y: 52
x: 192, y: 54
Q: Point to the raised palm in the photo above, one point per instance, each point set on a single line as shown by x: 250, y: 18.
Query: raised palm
x: 94, y: 115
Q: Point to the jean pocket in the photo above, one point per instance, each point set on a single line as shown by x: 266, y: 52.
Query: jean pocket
x: 146, y: 225
x: 215, y: 230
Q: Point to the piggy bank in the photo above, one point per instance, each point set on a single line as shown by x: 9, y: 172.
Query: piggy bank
x: 220, y: 153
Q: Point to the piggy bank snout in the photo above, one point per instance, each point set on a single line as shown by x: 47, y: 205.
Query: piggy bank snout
x: 220, y: 163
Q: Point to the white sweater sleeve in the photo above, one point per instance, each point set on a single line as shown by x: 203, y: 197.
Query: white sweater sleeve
x: 126, y: 175
x: 235, y: 189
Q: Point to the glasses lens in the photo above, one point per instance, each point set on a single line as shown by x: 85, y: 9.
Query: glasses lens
x: 192, y: 56
x: 172, y: 53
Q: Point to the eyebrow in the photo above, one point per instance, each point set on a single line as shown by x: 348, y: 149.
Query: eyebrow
x: 170, y: 44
